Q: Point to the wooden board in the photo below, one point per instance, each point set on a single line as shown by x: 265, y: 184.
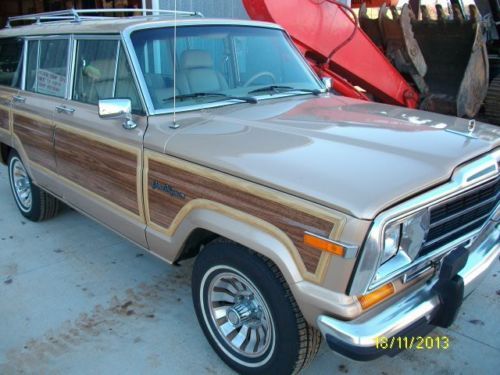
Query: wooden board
x: 105, y: 170
x: 37, y: 139
x: 171, y: 188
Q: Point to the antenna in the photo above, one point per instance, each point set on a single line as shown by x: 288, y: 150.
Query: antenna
x: 175, y: 125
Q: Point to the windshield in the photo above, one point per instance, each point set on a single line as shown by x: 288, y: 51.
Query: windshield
x: 229, y: 61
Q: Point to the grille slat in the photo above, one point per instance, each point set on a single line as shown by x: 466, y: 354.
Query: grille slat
x: 460, y: 215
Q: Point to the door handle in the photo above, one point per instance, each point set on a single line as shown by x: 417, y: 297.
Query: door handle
x: 18, y: 99
x: 64, y: 109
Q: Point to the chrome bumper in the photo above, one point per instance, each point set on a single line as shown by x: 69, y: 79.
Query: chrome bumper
x: 357, y: 338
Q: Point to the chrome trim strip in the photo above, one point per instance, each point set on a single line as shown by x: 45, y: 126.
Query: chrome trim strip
x: 130, y: 55
x: 466, y: 177
x: 115, y: 77
x: 69, y: 68
x: 25, y: 61
x: 481, y: 258
x: 144, y: 92
x: 388, y: 320
x: 38, y: 47
x: 350, y: 250
x: 427, y: 260
x: 433, y: 256
x: 114, y: 36
x: 365, y: 333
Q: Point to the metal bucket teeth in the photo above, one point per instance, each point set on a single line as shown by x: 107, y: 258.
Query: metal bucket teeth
x: 425, y: 13
x: 370, y: 26
x: 474, y: 14
x: 441, y: 16
x: 445, y: 55
x: 399, y: 42
x: 457, y: 13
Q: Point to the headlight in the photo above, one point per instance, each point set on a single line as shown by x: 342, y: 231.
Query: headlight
x: 402, y: 240
x: 392, y: 237
x: 414, y: 232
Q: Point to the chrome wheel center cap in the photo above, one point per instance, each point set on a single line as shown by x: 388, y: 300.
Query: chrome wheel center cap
x: 240, y: 313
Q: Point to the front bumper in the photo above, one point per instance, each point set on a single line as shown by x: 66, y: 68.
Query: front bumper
x: 411, y: 314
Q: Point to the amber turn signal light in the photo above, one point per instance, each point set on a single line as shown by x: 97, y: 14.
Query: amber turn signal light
x: 324, y: 245
x: 368, y: 300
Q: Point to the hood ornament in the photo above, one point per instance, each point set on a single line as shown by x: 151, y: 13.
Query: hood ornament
x: 472, y: 126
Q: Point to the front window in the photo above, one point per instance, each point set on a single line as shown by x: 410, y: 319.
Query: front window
x: 222, y: 61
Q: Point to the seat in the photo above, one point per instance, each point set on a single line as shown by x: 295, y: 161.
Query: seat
x: 197, y: 73
x: 97, y: 81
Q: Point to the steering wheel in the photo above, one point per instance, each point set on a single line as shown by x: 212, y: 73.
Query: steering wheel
x: 258, y: 75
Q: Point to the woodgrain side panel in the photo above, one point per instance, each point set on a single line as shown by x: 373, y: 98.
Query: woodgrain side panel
x: 4, y: 118
x: 165, y: 182
x: 37, y: 139
x: 105, y: 170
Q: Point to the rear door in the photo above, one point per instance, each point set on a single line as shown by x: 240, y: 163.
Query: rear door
x: 45, y: 82
x: 100, y: 160
x: 10, y: 79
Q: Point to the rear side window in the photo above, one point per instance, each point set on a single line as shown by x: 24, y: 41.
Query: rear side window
x: 47, y: 67
x: 10, y: 57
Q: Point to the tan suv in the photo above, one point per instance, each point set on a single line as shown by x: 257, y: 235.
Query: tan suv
x: 308, y: 213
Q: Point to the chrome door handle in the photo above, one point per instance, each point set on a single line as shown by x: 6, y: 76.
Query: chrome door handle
x: 18, y: 99
x: 64, y: 109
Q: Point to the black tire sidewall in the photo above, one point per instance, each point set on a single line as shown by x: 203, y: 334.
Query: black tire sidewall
x: 286, y: 340
x: 35, y: 211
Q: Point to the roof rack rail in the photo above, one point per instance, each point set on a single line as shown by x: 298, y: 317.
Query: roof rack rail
x: 78, y: 15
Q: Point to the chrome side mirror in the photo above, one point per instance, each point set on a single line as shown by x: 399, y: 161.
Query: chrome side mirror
x: 327, y: 81
x: 117, y: 109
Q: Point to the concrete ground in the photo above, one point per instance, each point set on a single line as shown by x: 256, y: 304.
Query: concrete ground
x: 77, y: 299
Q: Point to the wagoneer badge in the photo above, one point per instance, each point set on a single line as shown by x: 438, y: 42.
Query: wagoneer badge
x: 157, y: 185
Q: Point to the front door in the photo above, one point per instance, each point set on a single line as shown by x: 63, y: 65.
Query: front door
x: 99, y: 160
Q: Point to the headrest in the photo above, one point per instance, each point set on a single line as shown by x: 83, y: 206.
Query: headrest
x: 196, y: 58
x: 92, y: 72
x: 100, y: 70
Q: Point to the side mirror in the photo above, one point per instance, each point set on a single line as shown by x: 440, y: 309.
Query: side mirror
x: 117, y: 109
x: 327, y: 81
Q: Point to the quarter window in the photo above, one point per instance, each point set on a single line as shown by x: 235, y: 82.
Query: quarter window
x: 10, y: 56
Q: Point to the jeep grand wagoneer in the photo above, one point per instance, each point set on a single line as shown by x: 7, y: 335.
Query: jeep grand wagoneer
x: 309, y: 214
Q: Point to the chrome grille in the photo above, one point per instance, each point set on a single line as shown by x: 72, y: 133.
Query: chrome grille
x: 461, y: 215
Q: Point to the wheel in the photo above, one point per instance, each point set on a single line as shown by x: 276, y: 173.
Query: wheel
x: 34, y: 203
x: 259, y: 75
x: 248, y: 313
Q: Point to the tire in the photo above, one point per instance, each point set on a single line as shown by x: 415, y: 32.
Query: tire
x: 34, y: 203
x: 242, y: 297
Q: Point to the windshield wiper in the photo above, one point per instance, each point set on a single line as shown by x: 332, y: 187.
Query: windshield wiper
x: 248, y: 99
x: 280, y: 88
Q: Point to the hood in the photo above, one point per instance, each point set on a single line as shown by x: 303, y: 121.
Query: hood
x: 353, y: 156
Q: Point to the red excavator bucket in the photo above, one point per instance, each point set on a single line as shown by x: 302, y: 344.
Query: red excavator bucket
x: 328, y: 36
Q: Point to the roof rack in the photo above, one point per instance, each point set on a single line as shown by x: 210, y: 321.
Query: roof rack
x: 78, y: 15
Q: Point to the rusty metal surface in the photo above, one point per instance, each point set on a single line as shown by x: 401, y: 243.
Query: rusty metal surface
x: 445, y: 55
